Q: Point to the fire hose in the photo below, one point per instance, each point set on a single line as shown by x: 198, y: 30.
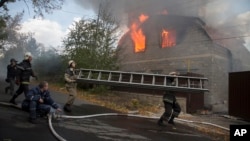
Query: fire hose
x: 57, y: 116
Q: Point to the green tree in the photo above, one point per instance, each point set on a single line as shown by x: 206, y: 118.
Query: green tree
x: 9, y: 31
x: 91, y: 42
x: 39, y: 6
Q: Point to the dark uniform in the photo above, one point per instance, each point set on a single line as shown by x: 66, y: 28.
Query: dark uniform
x: 24, y: 72
x: 172, y: 107
x: 32, y: 104
x: 11, y: 76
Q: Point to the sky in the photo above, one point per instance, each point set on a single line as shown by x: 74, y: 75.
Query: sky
x: 53, y: 27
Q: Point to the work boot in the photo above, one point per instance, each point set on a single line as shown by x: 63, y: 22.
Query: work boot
x: 171, y: 121
x: 160, y: 122
x: 13, y: 100
x: 67, y: 108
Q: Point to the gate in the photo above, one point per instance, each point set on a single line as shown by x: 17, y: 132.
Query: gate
x: 239, y: 94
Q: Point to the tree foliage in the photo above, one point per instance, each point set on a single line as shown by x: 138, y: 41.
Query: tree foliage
x: 14, y: 44
x: 9, y: 31
x: 39, y: 6
x: 91, y: 42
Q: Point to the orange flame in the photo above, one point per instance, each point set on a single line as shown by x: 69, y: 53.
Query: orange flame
x: 138, y: 38
x: 143, y: 18
x: 168, y: 38
x: 137, y: 35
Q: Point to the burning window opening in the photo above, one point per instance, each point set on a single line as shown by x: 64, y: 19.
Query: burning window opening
x: 137, y: 34
x: 168, y: 38
x: 143, y: 18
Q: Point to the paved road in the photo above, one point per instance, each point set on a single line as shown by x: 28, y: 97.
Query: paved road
x: 15, y: 127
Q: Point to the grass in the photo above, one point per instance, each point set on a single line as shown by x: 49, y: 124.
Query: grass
x: 110, y: 100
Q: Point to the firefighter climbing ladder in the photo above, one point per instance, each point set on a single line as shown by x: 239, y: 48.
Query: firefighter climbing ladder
x: 142, y: 80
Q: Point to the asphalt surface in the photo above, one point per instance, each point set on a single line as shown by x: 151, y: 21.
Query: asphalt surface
x: 14, y: 125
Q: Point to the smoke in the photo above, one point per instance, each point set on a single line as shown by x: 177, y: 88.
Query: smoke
x: 125, y: 10
x: 226, y: 15
x: 244, y: 27
x: 214, y: 12
x: 230, y: 17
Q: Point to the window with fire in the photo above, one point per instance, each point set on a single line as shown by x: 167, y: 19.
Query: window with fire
x: 168, y: 38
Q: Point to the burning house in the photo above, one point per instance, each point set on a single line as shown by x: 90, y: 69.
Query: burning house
x: 163, y: 43
x: 184, y: 36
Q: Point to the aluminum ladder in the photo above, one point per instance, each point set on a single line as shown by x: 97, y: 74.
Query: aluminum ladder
x: 142, y: 80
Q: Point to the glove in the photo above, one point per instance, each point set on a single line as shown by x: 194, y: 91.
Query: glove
x: 7, y: 80
x: 17, y: 82
x: 74, y: 77
x: 36, y: 78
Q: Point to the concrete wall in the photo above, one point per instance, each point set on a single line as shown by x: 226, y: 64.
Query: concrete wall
x: 195, y: 53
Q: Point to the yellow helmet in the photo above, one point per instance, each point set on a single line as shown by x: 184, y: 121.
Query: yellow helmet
x: 70, y: 62
x: 27, y: 55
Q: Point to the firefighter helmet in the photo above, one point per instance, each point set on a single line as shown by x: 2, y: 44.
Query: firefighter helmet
x: 70, y: 62
x: 13, y: 60
x: 27, y: 55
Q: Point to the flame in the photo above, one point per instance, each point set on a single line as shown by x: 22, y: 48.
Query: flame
x: 143, y: 18
x: 168, y: 38
x: 137, y: 34
x: 138, y: 38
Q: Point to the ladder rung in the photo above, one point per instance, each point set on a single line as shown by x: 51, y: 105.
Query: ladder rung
x: 99, y: 76
x: 131, y: 78
x: 153, y: 80
x: 165, y: 81
x: 110, y: 76
x: 120, y: 77
x: 142, y: 79
x: 89, y: 75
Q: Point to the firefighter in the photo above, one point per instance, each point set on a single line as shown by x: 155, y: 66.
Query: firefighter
x: 70, y: 84
x: 39, y: 102
x: 172, y: 107
x: 24, y: 72
x: 11, y: 76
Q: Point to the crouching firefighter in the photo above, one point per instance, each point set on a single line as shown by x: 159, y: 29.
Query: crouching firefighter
x: 39, y: 102
x: 172, y: 108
